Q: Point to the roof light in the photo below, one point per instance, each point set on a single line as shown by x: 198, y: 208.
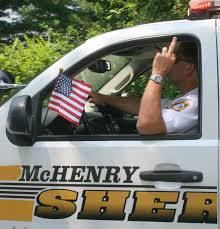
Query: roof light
x: 201, y: 5
x: 203, y: 9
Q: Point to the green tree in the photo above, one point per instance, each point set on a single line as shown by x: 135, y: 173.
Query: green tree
x: 114, y: 14
x: 41, y: 14
x: 66, y: 24
x: 88, y: 16
x: 26, y: 59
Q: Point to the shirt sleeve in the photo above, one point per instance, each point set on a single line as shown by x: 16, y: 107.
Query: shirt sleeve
x: 182, y: 120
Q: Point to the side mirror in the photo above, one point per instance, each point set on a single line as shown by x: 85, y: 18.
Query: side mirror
x: 6, y: 77
x: 7, y: 82
x: 20, y: 121
x: 100, y: 66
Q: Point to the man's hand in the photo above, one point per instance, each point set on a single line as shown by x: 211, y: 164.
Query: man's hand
x: 163, y: 62
x: 96, y: 98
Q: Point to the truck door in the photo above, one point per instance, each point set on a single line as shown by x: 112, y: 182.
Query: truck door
x: 218, y: 48
x: 90, y: 180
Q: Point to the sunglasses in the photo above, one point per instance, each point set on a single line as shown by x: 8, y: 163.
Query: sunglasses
x: 183, y: 60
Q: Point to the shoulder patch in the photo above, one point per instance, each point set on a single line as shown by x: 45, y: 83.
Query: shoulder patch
x: 179, y: 105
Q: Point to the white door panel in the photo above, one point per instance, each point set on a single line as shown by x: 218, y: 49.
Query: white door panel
x: 143, y: 155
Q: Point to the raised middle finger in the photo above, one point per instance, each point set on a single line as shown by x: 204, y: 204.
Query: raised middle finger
x: 172, y: 46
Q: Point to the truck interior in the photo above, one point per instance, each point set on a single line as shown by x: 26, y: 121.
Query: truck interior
x: 129, y: 73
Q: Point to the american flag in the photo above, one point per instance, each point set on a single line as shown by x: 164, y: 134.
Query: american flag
x: 69, y: 97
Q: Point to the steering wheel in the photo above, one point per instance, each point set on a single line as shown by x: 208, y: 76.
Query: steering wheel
x: 111, y: 116
x: 103, y: 121
x: 86, y: 124
x: 92, y: 125
x: 108, y: 119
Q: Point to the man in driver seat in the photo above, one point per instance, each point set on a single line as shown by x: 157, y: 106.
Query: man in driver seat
x: 160, y: 116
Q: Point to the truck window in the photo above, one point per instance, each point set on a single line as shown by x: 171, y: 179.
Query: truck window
x: 127, y: 79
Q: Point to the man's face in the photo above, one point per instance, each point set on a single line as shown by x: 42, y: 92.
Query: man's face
x: 177, y: 72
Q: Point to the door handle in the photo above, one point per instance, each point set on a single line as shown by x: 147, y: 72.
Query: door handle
x: 172, y: 176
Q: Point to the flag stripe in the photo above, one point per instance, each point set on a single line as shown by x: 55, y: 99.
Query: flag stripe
x: 73, y: 113
x: 81, y: 87
x: 67, y: 100
x: 85, y: 95
x: 68, y: 119
x: 58, y: 101
x: 54, y: 103
x: 53, y: 108
x: 83, y: 101
x: 61, y: 111
x: 78, y: 95
x: 83, y: 83
x: 77, y: 101
x: 81, y: 90
x: 70, y: 108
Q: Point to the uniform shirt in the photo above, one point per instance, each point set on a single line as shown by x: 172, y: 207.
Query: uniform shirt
x: 181, y: 114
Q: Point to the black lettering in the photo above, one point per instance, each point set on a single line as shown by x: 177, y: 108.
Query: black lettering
x: 45, y: 175
x: 62, y: 173
x: 129, y: 173
x: 151, y: 206
x: 112, y: 171
x: 76, y: 173
x: 103, y: 205
x: 95, y: 174
x: 56, y: 204
x: 30, y: 175
x: 199, y: 207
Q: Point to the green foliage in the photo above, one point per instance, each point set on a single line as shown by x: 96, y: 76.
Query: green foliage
x: 84, y: 14
x: 137, y: 87
x: 25, y: 59
x: 115, y: 14
x: 33, y: 15
x: 68, y: 23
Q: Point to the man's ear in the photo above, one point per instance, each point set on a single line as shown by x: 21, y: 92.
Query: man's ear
x: 189, y: 68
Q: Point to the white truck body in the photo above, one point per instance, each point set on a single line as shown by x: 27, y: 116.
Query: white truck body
x: 100, y: 184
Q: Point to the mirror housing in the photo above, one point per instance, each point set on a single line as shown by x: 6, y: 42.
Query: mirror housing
x: 100, y: 66
x: 6, y: 78
x: 6, y: 86
x: 7, y: 82
x: 20, y: 121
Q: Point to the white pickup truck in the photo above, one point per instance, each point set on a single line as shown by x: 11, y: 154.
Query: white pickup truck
x: 102, y: 173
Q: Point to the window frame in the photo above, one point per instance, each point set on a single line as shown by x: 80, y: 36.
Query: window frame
x: 84, y: 63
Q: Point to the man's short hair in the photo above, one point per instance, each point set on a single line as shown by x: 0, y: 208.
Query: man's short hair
x: 188, y: 51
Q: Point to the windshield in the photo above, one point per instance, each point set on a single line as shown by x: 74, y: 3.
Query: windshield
x: 98, y: 80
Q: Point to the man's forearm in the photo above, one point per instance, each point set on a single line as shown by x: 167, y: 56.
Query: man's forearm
x: 150, y: 119
x: 128, y: 104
